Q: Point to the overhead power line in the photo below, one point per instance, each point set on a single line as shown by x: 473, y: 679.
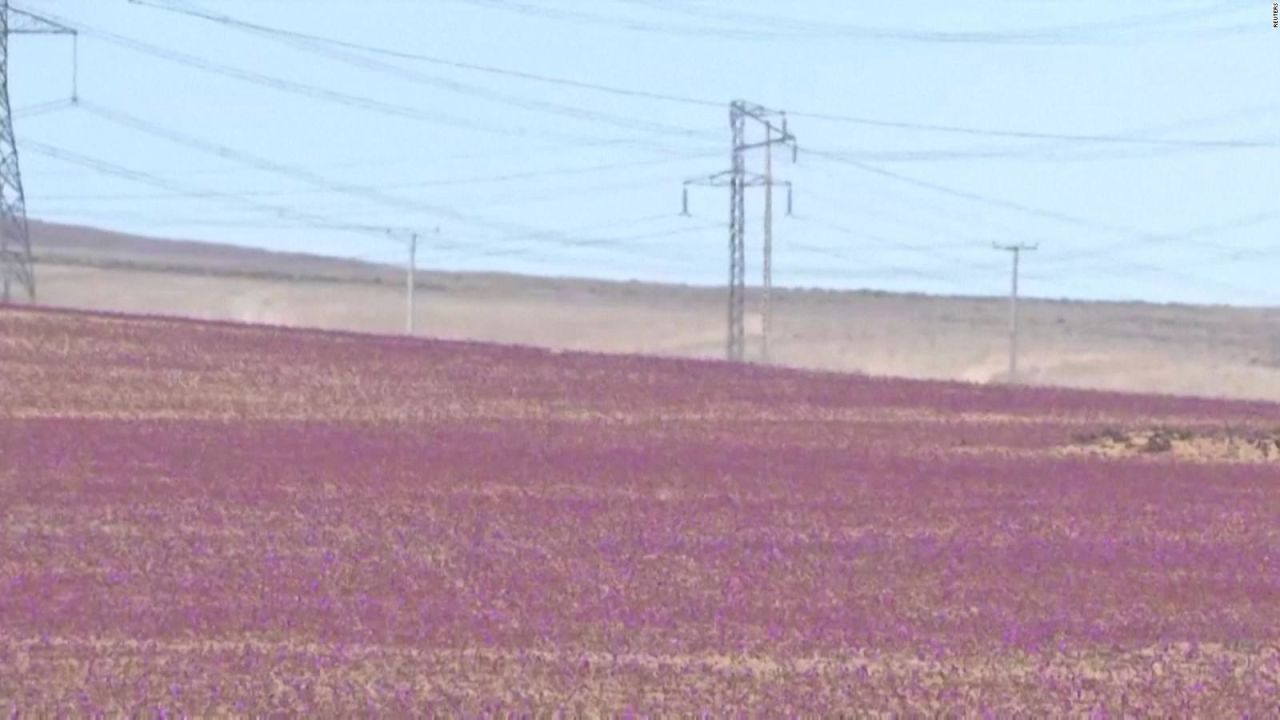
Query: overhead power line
x: 345, y: 99
x: 398, y: 160
x: 432, y: 59
x: 1097, y: 261
x: 857, y: 267
x: 1138, y: 143
x: 972, y: 196
x: 1193, y: 237
x: 144, y: 178
x: 443, y: 182
x: 44, y: 108
x: 498, y: 245
x: 870, y: 202
x: 1128, y: 268
x: 1134, y: 235
x: 785, y: 28
x: 625, y: 243
x: 228, y: 20
x: 891, y: 243
x: 157, y: 130
x: 1028, y: 135
x: 792, y: 25
x: 340, y: 51
x: 373, y: 194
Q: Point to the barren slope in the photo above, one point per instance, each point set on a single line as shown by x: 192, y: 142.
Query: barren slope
x: 1213, y: 351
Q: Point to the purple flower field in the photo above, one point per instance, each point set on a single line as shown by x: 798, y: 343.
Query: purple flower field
x: 212, y: 519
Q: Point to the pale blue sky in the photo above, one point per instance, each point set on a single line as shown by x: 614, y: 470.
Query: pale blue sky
x: 533, y: 177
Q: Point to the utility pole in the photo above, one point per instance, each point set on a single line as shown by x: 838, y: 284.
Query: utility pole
x: 1016, y: 250
x: 738, y: 180
x: 16, y: 264
x: 737, y: 337
x: 766, y: 295
x: 411, y: 283
x: 766, y: 286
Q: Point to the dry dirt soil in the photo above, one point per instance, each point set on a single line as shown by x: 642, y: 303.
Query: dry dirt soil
x: 1178, y: 349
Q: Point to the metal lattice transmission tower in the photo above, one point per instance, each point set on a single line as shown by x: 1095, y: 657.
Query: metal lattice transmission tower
x: 16, y: 265
x: 738, y: 179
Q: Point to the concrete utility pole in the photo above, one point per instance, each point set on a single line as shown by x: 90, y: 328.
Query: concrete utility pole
x: 766, y: 296
x: 411, y: 283
x: 16, y: 264
x: 738, y: 180
x: 1016, y: 250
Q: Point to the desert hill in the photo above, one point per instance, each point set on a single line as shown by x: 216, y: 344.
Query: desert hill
x: 1178, y: 349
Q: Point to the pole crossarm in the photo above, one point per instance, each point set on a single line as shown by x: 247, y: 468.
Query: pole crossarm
x: 776, y: 133
x: 789, y: 141
x: 726, y: 179
x: 1016, y: 247
x: 22, y: 22
x: 720, y: 179
x: 761, y: 113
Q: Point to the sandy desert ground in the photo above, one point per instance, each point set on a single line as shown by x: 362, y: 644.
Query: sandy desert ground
x: 1210, y: 351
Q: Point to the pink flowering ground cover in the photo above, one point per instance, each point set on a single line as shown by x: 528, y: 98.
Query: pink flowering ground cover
x: 210, y: 519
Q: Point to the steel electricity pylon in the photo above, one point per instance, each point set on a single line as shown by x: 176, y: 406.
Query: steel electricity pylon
x: 738, y: 179
x: 16, y: 265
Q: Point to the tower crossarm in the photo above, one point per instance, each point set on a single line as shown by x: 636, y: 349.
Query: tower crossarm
x: 22, y: 22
